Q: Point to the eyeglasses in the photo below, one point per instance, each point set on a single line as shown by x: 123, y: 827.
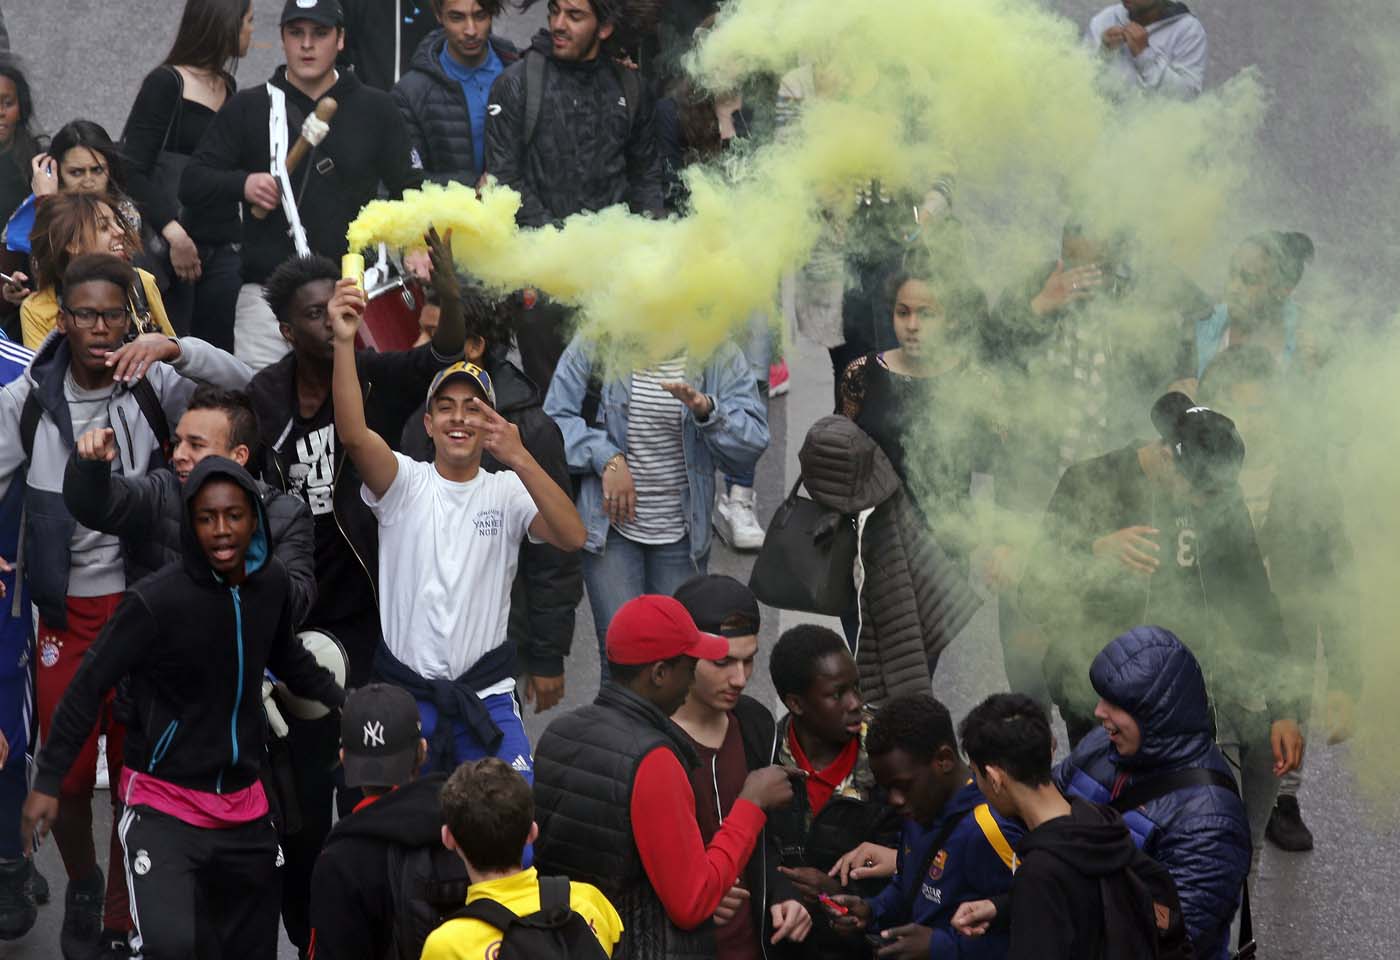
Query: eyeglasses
x: 85, y: 318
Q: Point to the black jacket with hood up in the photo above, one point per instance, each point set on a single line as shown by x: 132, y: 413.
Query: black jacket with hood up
x: 367, y: 145
x: 353, y: 907
x: 549, y: 582
x: 588, y: 151
x: 195, y: 650
x: 436, y: 113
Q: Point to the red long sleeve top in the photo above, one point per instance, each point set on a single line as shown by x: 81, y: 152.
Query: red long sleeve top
x: 689, y: 878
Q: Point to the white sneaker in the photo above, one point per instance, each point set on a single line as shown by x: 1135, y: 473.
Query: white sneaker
x: 103, y: 778
x: 735, y: 521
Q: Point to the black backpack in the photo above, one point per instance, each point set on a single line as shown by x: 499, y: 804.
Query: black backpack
x: 1142, y: 914
x: 554, y: 932
x: 426, y: 884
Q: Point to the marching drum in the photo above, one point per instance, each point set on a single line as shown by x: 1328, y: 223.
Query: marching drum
x: 391, y: 317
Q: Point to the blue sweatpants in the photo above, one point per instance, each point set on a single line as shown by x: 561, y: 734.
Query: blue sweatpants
x: 514, y: 748
x: 17, y: 723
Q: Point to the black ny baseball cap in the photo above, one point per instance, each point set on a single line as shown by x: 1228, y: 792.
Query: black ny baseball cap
x: 379, y: 732
x: 317, y: 11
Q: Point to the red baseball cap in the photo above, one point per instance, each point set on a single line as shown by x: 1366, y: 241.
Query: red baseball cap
x: 652, y: 628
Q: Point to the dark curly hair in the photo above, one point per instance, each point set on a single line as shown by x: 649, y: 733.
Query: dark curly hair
x: 916, y: 724
x: 293, y: 274
x: 793, y: 662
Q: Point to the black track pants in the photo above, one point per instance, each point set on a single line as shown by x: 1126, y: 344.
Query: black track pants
x: 201, y: 893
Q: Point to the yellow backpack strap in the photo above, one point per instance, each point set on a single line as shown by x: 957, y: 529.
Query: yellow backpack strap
x: 992, y: 831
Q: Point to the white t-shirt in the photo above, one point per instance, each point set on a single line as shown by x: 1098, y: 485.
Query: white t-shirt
x: 448, y: 553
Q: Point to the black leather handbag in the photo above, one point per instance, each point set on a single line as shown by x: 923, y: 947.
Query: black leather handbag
x: 808, y: 559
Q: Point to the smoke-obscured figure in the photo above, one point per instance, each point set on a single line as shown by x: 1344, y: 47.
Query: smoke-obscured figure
x: 1259, y: 307
x: 1296, y: 508
x: 1160, y: 534
x: 916, y: 539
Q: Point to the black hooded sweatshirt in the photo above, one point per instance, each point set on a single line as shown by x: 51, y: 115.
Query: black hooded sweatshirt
x: 1068, y: 867
x: 195, y: 650
x: 353, y: 909
x: 367, y: 146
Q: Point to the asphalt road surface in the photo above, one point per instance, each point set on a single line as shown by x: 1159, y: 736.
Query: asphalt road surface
x: 87, y: 58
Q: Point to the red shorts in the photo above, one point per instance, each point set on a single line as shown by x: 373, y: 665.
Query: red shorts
x: 58, y: 654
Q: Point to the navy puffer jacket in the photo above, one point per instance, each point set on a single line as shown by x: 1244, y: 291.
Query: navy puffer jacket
x: 439, y: 121
x: 1200, y: 834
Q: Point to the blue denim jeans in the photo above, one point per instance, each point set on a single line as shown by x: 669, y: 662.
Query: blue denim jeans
x: 625, y: 570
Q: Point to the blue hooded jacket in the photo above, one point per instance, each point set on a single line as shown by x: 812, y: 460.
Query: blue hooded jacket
x: 1200, y: 833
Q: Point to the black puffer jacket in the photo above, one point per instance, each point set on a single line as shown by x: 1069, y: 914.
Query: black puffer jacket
x: 585, y: 766
x: 589, y: 152
x: 914, y: 599
x: 433, y: 107
x: 146, y: 513
x: 549, y: 583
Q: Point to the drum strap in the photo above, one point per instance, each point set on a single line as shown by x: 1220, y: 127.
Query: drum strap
x: 277, y: 140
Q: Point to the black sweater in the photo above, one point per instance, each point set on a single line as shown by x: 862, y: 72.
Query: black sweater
x: 367, y: 145
x: 195, y: 650
x: 162, y: 119
x: 1212, y: 589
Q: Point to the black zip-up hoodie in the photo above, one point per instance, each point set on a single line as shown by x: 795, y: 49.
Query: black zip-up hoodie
x: 367, y: 145
x: 195, y: 650
x: 353, y: 908
x: 1056, y: 905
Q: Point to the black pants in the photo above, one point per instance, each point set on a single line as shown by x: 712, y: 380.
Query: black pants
x: 205, y: 309
x: 195, y: 892
x: 315, y: 746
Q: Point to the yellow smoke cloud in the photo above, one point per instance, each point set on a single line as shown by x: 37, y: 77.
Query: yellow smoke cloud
x: 1005, y: 96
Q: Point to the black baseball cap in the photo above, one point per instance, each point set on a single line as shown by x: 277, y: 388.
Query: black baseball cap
x: 379, y: 732
x: 1207, y: 447
x: 712, y: 599
x: 317, y: 11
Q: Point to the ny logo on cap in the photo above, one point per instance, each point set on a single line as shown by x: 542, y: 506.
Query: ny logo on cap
x: 374, y: 734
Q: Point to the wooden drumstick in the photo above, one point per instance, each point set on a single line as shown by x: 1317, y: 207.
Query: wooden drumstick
x: 325, y: 111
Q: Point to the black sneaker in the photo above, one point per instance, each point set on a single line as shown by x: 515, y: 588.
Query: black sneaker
x: 114, y: 945
x: 17, y: 910
x: 1286, y: 829
x: 36, y: 886
x: 82, y: 917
